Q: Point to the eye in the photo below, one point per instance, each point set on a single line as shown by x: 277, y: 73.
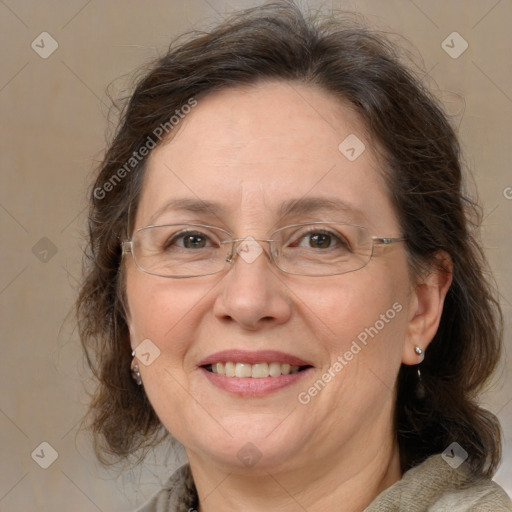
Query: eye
x: 189, y: 240
x: 321, y: 239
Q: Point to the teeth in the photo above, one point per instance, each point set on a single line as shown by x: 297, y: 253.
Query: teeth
x: 274, y: 369
x: 256, y: 371
x: 242, y: 370
x: 260, y: 371
x: 229, y: 369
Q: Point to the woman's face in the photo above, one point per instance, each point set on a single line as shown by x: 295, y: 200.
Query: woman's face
x: 251, y: 150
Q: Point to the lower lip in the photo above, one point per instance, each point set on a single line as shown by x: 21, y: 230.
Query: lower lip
x: 248, y: 386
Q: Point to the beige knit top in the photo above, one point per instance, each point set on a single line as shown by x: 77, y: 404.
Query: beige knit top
x: 432, y: 486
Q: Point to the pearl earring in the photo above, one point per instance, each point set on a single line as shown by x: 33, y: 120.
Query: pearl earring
x: 136, y: 372
x: 418, y: 351
x: 136, y: 375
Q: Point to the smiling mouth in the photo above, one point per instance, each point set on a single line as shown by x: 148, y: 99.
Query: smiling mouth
x: 255, y: 371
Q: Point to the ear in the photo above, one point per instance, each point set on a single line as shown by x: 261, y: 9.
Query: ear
x: 426, y: 307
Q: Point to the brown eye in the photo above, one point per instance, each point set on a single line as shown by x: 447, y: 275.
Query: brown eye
x: 188, y: 240
x: 320, y: 240
x: 194, y: 241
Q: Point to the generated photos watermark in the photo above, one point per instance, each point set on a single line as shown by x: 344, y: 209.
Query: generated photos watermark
x: 146, y: 352
x: 363, y: 338
x: 159, y: 133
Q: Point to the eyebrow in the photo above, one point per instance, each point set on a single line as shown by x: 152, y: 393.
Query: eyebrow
x: 309, y: 205
x: 291, y: 207
x: 189, y: 205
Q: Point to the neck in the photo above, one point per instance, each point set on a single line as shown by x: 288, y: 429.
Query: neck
x: 348, y: 483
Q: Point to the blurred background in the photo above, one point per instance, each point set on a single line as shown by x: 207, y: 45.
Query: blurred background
x: 57, y: 61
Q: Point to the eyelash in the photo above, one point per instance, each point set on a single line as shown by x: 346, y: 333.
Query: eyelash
x: 338, y: 238
x: 183, y: 234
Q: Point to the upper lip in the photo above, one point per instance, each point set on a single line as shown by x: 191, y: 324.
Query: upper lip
x: 253, y: 357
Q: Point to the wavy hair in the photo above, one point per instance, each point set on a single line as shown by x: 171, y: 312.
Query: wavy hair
x: 421, y: 164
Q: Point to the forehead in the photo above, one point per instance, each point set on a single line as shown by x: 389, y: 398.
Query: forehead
x: 255, y: 150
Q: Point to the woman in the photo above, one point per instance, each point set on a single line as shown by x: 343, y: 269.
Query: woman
x: 282, y: 275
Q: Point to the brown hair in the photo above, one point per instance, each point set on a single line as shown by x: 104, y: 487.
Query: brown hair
x: 421, y: 162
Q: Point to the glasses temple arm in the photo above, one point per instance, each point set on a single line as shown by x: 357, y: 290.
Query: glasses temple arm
x: 387, y: 240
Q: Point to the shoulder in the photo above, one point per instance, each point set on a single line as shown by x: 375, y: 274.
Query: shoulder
x: 485, y: 496
x: 431, y: 486
x: 178, y: 494
x: 436, y: 486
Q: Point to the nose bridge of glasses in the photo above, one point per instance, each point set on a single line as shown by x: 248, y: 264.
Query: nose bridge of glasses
x: 252, y: 245
x: 236, y: 240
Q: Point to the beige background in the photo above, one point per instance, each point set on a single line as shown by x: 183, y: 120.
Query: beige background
x: 52, y: 133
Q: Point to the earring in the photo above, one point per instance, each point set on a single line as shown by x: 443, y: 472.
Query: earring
x: 420, y: 387
x: 136, y: 372
x: 136, y: 375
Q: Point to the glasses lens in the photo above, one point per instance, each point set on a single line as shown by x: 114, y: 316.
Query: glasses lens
x: 317, y: 249
x: 180, y: 250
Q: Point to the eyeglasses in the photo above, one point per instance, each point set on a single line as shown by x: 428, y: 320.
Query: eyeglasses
x: 309, y: 249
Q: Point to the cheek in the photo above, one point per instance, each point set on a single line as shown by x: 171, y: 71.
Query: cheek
x: 360, y: 317
x: 165, y: 312
x: 352, y: 300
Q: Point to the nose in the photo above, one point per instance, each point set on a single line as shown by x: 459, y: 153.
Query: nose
x: 252, y: 294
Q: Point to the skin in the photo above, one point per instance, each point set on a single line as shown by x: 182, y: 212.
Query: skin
x: 251, y: 148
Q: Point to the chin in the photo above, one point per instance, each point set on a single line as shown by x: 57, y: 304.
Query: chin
x: 252, y: 446
x: 257, y: 458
